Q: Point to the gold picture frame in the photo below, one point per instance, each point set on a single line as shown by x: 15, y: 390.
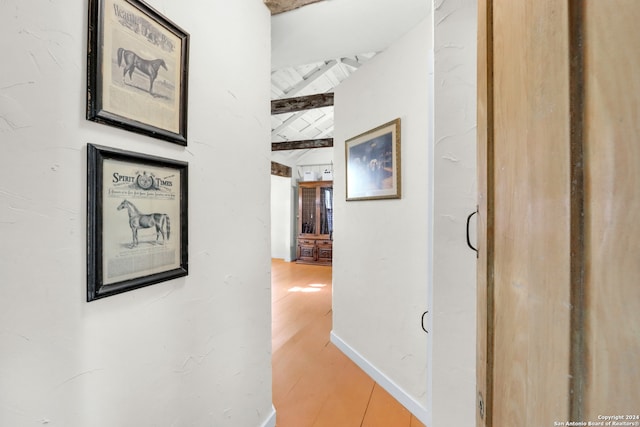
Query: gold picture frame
x: 373, y: 163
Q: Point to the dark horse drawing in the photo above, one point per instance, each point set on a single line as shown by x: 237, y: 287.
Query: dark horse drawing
x: 132, y: 61
x: 139, y: 220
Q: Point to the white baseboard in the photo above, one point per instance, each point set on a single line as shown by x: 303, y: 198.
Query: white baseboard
x: 385, y: 382
x: 271, y: 419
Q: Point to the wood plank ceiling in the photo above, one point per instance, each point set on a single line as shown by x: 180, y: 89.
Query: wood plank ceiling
x: 302, y: 96
x: 302, y: 102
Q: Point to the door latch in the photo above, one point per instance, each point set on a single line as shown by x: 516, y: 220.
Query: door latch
x: 422, y: 323
x: 468, y: 239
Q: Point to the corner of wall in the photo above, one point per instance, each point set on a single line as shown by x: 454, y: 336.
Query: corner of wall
x: 271, y: 419
x: 380, y: 282
x: 413, y: 406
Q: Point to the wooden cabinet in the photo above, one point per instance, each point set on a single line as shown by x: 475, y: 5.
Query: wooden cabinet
x: 315, y: 222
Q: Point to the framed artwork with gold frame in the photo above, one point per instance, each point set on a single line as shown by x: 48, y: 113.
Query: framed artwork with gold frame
x: 373, y: 163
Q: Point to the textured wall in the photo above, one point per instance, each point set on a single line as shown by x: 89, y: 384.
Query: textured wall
x: 380, y: 247
x: 193, y: 351
x: 396, y: 259
x: 454, y: 281
x: 282, y: 221
x: 332, y: 29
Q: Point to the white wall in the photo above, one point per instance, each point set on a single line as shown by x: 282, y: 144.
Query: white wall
x: 284, y: 202
x: 395, y: 259
x: 193, y: 351
x: 454, y: 264
x: 282, y: 228
x: 380, y: 269
x: 357, y: 26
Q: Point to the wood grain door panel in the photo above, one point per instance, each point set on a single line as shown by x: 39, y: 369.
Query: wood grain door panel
x: 559, y: 192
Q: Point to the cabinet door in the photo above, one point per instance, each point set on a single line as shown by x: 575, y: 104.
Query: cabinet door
x: 307, y: 250
x: 325, y: 210
x: 324, y: 251
x: 307, y: 217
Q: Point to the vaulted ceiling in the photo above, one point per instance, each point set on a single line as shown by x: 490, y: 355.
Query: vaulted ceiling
x: 308, y: 79
x: 308, y: 128
x: 317, y: 44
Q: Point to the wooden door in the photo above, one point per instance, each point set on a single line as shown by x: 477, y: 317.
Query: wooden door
x: 559, y: 196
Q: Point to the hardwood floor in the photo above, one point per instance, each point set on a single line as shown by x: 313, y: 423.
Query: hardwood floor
x: 314, y: 384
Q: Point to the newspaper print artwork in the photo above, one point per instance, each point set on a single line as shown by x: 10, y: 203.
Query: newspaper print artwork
x: 137, y: 220
x: 141, y: 67
x: 141, y: 228
x: 137, y: 66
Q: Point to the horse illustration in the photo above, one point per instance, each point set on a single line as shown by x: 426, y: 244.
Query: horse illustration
x: 139, y: 220
x: 132, y: 61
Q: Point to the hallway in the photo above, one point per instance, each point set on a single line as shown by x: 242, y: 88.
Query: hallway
x: 314, y: 383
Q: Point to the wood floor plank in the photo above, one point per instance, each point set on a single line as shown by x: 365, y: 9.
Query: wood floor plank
x: 347, y: 404
x: 416, y: 422
x: 384, y: 411
x: 294, y: 359
x: 301, y: 406
x: 314, y: 383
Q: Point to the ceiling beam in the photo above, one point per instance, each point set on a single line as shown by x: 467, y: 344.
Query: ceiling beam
x: 306, y: 81
x: 278, y: 169
x: 302, y: 145
x: 292, y: 105
x: 281, y: 6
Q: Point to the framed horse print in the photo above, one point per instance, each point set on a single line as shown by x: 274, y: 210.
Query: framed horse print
x: 137, y: 74
x: 136, y: 220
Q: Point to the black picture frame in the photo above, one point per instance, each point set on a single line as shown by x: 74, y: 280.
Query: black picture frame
x: 373, y: 166
x: 129, y: 247
x: 137, y: 70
